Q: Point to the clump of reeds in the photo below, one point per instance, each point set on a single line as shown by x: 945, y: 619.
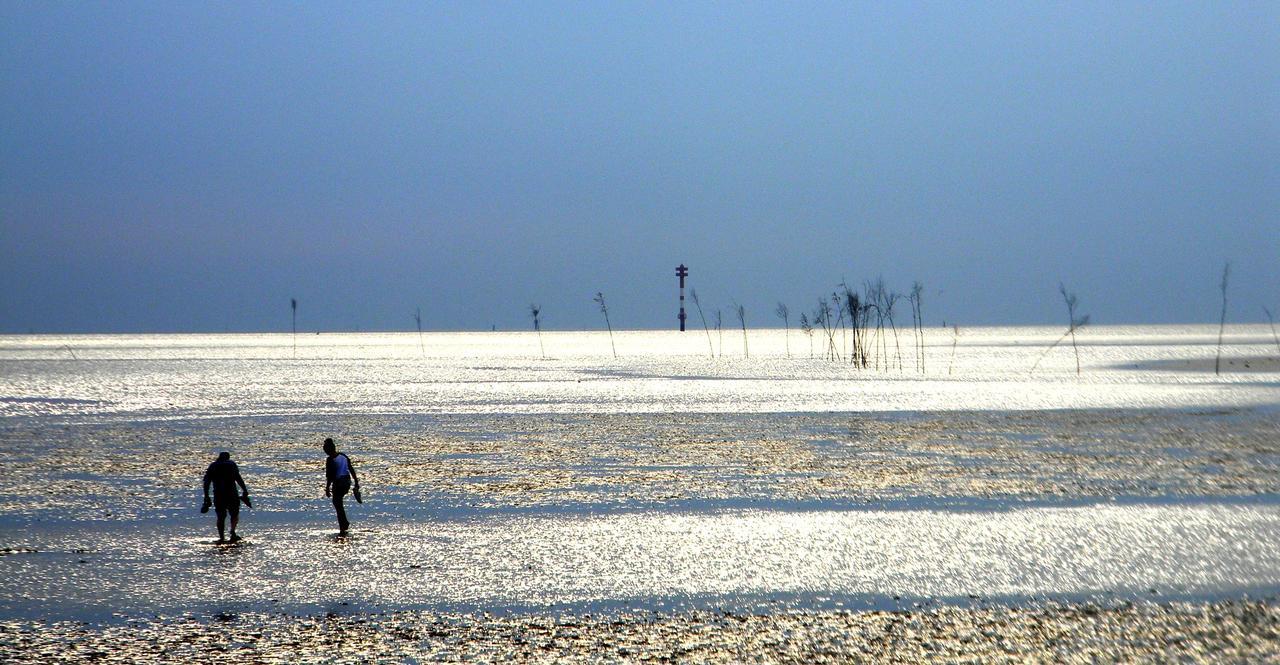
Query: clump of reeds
x: 604, y: 309
x: 785, y: 314
x: 857, y: 312
x: 880, y: 302
x: 857, y: 325
x: 1222, y: 321
x: 693, y: 295
x: 535, y: 311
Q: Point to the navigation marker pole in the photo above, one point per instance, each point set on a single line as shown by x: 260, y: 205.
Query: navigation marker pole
x: 682, y: 272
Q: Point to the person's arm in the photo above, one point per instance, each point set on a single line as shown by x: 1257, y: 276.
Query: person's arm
x: 207, y: 479
x: 352, y: 468
x: 328, y: 477
x: 243, y: 489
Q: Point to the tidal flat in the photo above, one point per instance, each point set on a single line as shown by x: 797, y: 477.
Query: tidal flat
x: 783, y: 537
x: 662, y: 506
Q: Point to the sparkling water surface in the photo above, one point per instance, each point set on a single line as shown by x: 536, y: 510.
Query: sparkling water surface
x: 745, y: 560
x: 416, y: 556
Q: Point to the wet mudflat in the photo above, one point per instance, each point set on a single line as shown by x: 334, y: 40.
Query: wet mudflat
x: 657, y: 507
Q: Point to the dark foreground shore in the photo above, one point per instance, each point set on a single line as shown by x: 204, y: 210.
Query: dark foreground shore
x: 1224, y: 631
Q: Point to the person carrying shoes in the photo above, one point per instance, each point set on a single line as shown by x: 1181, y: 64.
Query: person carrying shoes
x: 224, y: 475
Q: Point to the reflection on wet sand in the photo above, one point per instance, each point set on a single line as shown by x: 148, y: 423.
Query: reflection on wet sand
x: 736, y: 559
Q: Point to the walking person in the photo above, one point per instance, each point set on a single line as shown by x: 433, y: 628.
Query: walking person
x: 224, y: 475
x: 339, y: 478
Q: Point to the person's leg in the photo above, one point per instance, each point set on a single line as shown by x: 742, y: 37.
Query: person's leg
x: 234, y: 509
x: 340, y: 489
x: 222, y: 522
x: 342, y: 513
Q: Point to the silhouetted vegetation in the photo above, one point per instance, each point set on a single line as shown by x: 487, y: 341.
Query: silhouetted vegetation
x: 822, y: 318
x: 785, y: 314
x: 917, y: 323
x: 742, y: 319
x: 890, y: 299
x: 859, y: 319
x: 535, y: 311
x: 852, y: 305
x: 604, y: 309
x: 417, y: 319
x: 807, y: 330
x: 857, y: 326
x: 693, y: 295
x: 1074, y: 324
x: 720, y: 331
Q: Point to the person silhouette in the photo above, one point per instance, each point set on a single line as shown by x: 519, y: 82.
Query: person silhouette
x: 339, y: 476
x: 224, y: 475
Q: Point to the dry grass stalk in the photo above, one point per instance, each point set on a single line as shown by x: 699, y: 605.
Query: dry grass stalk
x: 785, y: 314
x: 417, y: 319
x: 742, y: 319
x: 1075, y: 324
x: 917, y: 323
x: 535, y: 311
x: 807, y: 329
x: 604, y: 309
x: 693, y: 295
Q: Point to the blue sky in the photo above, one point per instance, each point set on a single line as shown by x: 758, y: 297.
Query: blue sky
x: 192, y: 166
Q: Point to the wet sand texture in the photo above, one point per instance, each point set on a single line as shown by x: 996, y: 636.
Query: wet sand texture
x: 1239, y: 631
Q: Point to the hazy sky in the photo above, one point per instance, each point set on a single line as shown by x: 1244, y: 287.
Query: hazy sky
x: 191, y: 166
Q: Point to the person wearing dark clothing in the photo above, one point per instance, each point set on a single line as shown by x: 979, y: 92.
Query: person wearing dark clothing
x: 224, y: 475
x: 339, y: 478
